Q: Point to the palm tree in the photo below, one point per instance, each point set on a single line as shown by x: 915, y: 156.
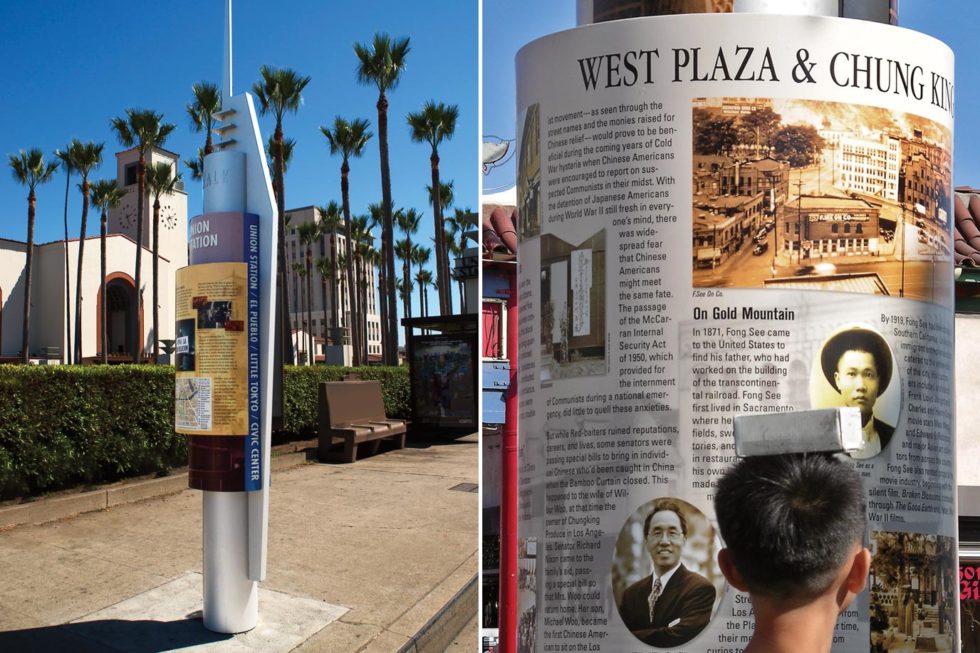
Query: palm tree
x: 409, y: 222
x: 330, y: 221
x: 196, y: 166
x: 105, y: 196
x: 85, y: 157
x: 360, y: 248
x: 30, y: 170
x: 298, y: 273
x: 161, y: 180
x: 434, y: 124
x: 370, y: 259
x: 272, y: 150
x: 342, y: 258
x: 279, y: 91
x: 376, y: 219
x: 381, y: 63
x: 69, y: 167
x: 421, y: 256
x: 309, y: 233
x: 348, y: 138
x: 424, y: 279
x: 403, y: 250
x: 458, y: 224
x: 142, y: 129
x: 405, y: 287
x: 328, y: 271
x: 207, y: 102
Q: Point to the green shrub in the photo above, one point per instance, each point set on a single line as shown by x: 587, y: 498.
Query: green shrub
x: 300, y: 392
x: 64, y: 426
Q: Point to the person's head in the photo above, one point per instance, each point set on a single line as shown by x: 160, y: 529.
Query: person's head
x: 793, y: 528
x: 858, y: 365
x: 664, y: 533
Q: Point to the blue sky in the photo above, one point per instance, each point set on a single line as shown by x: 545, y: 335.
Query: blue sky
x: 71, y: 67
x: 948, y: 21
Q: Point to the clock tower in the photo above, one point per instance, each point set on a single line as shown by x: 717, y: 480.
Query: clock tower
x: 173, y: 207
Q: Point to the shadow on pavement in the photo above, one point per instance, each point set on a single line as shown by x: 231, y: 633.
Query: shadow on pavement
x: 111, y: 636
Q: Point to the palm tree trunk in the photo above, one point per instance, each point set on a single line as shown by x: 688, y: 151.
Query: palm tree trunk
x: 351, y: 280
x: 325, y: 331
x: 406, y: 279
x: 309, y: 305
x: 356, y: 315
x: 68, y: 348
x: 384, y: 308
x: 104, y: 312
x: 138, y: 294
x: 334, y: 308
x: 78, y: 274
x: 462, y: 308
x: 25, y: 342
x: 445, y: 303
x: 387, y: 233
x: 156, y: 281
x: 285, y: 323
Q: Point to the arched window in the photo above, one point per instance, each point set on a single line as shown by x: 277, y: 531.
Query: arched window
x: 847, y: 227
x: 859, y: 229
x: 834, y: 228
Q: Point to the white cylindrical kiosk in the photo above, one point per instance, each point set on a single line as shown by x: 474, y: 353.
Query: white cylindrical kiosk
x: 712, y: 208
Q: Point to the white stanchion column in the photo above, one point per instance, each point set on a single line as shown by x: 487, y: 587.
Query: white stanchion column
x: 231, y: 600
x: 230, y: 597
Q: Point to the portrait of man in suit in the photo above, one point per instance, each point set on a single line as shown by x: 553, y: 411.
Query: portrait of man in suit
x: 673, y: 604
x: 858, y: 365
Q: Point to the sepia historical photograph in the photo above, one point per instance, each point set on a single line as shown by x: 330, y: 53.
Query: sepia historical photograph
x: 573, y: 307
x: 913, y: 592
x: 855, y: 368
x: 529, y: 175
x: 807, y: 194
x: 665, y: 576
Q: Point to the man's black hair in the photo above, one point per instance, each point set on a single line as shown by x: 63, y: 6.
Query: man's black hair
x: 790, y: 521
x: 665, y: 505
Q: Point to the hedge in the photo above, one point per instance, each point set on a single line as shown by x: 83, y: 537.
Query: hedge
x: 64, y: 426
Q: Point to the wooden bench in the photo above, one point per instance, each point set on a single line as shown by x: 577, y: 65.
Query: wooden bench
x: 352, y: 412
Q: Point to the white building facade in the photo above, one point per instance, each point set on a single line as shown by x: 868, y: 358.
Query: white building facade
x: 49, y: 323
x: 868, y: 166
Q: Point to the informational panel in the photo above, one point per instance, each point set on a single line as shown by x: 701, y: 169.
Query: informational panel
x: 217, y: 344
x: 771, y: 195
x: 212, y: 358
x: 444, y: 380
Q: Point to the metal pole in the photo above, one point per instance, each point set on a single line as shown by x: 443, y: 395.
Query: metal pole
x: 508, y: 483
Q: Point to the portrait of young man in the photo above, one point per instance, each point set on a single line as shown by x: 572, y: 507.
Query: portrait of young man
x: 857, y: 364
x: 673, y: 604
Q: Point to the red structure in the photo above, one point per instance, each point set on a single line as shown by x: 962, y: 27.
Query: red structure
x: 500, y: 446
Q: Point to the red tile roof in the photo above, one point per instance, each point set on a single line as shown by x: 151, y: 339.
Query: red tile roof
x: 966, y: 228
x: 499, y: 230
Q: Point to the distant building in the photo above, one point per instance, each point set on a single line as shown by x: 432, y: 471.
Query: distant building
x: 825, y: 225
x: 321, y: 311
x: 48, y: 300
x: 722, y: 224
x: 868, y: 166
x: 924, y: 179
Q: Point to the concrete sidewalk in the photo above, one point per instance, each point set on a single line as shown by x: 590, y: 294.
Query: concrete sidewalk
x: 386, y: 547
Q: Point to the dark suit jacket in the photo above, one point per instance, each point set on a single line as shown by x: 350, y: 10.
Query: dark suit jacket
x: 688, y: 597
x: 885, y: 432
